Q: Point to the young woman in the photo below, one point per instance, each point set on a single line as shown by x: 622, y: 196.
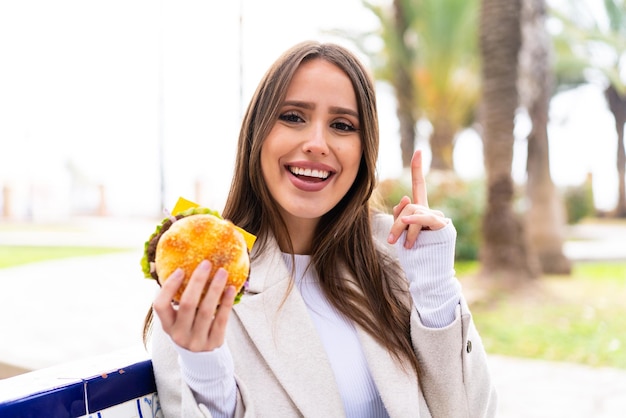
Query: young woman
x: 348, y: 312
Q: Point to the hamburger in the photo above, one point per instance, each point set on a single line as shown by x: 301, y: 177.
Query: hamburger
x: 197, y: 234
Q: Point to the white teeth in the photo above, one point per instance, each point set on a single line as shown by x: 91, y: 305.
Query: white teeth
x: 321, y: 174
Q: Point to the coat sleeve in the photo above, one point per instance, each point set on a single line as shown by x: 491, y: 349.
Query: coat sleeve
x: 175, y: 396
x: 454, y: 372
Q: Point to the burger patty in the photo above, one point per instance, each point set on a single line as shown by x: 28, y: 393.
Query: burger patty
x: 152, y: 245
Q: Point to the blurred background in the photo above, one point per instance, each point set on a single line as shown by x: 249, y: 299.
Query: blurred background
x: 109, y: 111
x: 118, y: 108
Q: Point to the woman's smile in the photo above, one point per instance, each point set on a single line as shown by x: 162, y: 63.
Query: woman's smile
x: 309, y: 177
x: 312, y: 174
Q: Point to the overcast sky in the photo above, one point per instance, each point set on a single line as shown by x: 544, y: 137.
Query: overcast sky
x: 91, y: 87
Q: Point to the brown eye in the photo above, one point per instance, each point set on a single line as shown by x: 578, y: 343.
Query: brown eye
x: 290, y: 117
x: 342, y: 126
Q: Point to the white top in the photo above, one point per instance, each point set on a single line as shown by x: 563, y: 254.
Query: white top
x: 347, y: 360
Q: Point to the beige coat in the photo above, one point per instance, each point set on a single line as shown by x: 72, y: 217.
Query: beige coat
x: 282, y: 371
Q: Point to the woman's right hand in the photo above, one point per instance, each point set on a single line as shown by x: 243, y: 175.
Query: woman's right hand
x: 196, y: 325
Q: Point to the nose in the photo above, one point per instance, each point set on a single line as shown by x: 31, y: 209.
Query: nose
x: 316, y: 141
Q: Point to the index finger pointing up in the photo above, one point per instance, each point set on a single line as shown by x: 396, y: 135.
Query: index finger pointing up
x: 417, y: 180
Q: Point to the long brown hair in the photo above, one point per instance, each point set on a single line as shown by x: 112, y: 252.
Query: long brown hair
x: 343, y: 239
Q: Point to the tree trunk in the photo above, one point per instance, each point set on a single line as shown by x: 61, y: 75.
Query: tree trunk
x: 442, y: 145
x: 617, y: 105
x: 545, y: 218
x: 505, y: 253
x: 404, y: 86
x: 406, y: 118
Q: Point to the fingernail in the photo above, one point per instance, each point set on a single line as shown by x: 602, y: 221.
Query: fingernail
x: 178, y: 273
x: 205, y: 265
x: 229, y: 292
x: 391, y: 238
x: 220, y: 275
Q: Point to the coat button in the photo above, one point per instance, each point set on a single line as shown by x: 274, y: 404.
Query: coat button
x: 468, y: 347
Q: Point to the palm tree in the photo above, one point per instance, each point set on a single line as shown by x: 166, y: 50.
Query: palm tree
x: 395, y: 67
x: 430, y: 57
x: 505, y: 252
x: 617, y: 105
x: 393, y: 63
x: 545, y: 217
x: 447, y: 71
x: 401, y: 58
x: 615, y: 37
x: 597, y: 46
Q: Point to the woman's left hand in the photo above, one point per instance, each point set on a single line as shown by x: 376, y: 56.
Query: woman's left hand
x: 415, y: 216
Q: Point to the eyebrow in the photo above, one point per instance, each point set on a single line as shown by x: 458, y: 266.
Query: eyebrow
x: 335, y: 110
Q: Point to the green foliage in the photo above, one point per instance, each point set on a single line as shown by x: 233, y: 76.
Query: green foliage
x: 459, y: 200
x: 429, y: 54
x: 601, y: 272
x: 466, y: 267
x: 580, y: 319
x: 464, y: 203
x: 579, y: 202
x: 11, y: 256
x: 582, y: 32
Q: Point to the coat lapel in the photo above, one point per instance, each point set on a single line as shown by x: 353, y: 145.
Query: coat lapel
x: 277, y: 321
x: 398, y: 388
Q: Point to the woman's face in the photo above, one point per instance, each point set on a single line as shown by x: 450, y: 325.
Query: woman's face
x: 311, y: 156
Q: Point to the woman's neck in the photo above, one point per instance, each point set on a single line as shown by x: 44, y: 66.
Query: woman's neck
x: 300, y: 232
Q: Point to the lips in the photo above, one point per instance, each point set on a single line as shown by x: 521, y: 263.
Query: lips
x: 309, y: 178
